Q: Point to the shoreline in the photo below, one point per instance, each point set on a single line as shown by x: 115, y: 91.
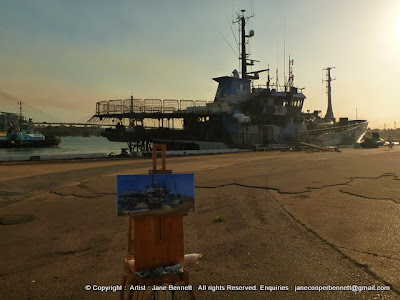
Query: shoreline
x: 75, y: 156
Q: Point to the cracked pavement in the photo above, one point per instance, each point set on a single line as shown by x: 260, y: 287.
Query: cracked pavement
x: 291, y: 219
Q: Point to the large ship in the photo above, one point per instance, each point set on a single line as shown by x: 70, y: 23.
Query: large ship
x: 242, y: 115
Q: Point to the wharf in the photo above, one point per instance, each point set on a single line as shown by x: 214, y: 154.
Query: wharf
x: 290, y: 218
x: 5, y: 158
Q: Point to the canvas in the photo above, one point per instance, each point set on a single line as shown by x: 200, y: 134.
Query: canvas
x: 155, y: 194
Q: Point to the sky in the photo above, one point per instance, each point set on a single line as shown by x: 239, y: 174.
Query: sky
x: 64, y: 56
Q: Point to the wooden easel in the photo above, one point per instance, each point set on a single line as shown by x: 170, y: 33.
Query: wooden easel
x: 158, y: 242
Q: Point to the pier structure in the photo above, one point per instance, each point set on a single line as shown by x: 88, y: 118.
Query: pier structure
x: 143, y: 121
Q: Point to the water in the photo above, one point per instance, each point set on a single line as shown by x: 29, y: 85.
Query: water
x: 70, y: 145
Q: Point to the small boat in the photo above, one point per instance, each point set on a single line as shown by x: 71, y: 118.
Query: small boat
x: 24, y: 136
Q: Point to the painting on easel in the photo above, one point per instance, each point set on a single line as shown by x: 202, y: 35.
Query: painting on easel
x: 155, y: 194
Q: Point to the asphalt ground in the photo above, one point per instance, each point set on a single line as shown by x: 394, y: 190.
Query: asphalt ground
x: 286, y: 220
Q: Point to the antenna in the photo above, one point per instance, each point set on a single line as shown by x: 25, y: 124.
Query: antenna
x: 277, y: 62
x: 269, y: 78
x: 234, y: 36
x: 227, y: 42
x: 284, y: 51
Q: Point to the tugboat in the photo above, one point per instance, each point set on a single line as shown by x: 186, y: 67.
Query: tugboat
x: 242, y: 115
x: 22, y: 135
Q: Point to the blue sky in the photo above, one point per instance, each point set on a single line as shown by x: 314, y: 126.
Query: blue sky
x: 63, y: 56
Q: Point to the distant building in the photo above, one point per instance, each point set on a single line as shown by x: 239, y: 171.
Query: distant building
x: 6, y: 119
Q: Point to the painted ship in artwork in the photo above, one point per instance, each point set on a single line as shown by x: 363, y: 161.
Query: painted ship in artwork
x: 155, y: 194
x: 242, y: 115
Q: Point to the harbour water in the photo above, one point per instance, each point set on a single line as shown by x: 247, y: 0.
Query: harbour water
x: 69, y: 145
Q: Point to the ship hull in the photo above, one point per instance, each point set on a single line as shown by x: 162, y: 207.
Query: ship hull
x: 248, y: 136
x: 46, y: 143
x: 345, y: 135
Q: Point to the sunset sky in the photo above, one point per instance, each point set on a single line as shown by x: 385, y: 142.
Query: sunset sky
x: 64, y: 56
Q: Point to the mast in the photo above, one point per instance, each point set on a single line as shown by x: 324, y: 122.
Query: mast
x: 241, y: 20
x: 21, y: 118
x: 329, y: 112
x: 277, y: 80
x: 243, y: 44
x: 243, y: 54
x: 291, y: 76
x: 131, y: 108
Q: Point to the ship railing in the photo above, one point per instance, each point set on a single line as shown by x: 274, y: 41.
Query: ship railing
x: 115, y: 106
x: 134, y: 109
x: 185, y: 104
x: 133, y: 105
x: 200, y: 103
x: 152, y: 106
x: 127, y: 106
x: 279, y: 88
x: 191, y: 106
x: 168, y: 109
x: 336, y: 128
x: 170, y: 105
x: 101, y: 107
